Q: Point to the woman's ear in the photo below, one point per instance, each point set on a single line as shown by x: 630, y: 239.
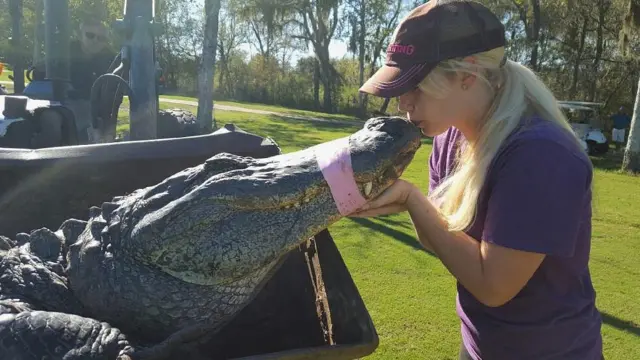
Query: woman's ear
x: 467, y: 80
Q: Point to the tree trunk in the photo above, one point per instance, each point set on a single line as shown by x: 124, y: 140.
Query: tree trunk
x: 17, y: 60
x: 206, y: 122
x: 316, y: 84
x: 578, y: 59
x: 634, y: 84
x: 631, y: 161
x: 38, y: 31
x: 535, y: 34
x: 326, y: 99
x: 326, y: 76
x: 602, y: 11
x: 361, y: 55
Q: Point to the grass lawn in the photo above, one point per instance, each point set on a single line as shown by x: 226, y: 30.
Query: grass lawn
x: 411, y: 296
x: 5, y: 75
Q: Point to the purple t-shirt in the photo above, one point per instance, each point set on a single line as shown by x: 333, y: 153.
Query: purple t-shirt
x: 537, y: 197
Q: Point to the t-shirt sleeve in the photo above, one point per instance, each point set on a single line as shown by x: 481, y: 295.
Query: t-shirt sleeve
x: 537, y: 198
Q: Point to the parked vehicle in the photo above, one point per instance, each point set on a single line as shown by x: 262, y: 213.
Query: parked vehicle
x: 587, y: 124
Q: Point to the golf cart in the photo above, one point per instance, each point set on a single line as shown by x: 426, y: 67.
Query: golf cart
x: 50, y: 112
x: 587, y: 124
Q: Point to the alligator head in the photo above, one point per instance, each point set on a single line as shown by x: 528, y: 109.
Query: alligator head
x: 219, y: 222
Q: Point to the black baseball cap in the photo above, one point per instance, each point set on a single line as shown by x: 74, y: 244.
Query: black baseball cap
x: 433, y: 32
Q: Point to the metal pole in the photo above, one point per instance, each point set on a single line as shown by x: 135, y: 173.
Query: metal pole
x: 142, y: 74
x: 56, y: 42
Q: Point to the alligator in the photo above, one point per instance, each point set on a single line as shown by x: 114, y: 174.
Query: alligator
x: 155, y: 271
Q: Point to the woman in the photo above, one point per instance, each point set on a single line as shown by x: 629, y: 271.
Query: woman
x: 509, y: 207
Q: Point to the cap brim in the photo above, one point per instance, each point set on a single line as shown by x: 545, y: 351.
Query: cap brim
x: 392, y: 81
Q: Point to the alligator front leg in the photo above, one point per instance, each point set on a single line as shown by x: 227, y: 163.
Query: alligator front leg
x: 35, y: 335
x: 39, y: 314
x: 179, y: 344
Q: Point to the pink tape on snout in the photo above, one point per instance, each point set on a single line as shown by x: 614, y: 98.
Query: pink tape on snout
x: 334, y: 160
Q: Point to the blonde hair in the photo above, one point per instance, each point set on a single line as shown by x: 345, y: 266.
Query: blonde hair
x: 516, y: 92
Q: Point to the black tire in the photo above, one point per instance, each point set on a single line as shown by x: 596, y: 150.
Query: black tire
x: 596, y: 149
x: 603, y: 148
x: 591, y: 147
x: 175, y: 123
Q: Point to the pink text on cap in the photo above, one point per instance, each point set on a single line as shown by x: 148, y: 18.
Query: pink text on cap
x: 402, y: 49
x: 334, y: 160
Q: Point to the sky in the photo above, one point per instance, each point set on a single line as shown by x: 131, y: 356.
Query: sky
x: 337, y: 49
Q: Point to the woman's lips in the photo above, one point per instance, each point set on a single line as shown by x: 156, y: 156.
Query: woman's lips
x: 417, y: 123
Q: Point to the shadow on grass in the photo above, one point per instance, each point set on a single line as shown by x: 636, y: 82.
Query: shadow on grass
x: 284, y: 135
x: 287, y: 110
x: 397, y: 235
x: 329, y: 125
x: 389, y: 221
x: 610, y: 161
x: 620, y: 324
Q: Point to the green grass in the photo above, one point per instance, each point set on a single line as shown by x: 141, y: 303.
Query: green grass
x: 5, y: 75
x: 411, y: 296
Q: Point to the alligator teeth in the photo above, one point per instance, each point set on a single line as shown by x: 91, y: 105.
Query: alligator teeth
x: 367, y: 188
x: 306, y: 200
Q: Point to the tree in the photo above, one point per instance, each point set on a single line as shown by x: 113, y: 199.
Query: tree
x: 371, y: 22
x: 320, y: 19
x: 206, y: 120
x: 231, y: 34
x: 266, y: 19
x: 631, y: 161
x: 17, y: 57
x: 529, y: 14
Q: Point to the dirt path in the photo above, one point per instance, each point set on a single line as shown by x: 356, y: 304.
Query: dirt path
x: 263, y: 112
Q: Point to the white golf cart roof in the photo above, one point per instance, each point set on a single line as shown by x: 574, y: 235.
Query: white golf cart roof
x: 579, y: 105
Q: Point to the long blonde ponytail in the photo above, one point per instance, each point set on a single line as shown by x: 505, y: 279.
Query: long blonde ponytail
x: 517, y: 91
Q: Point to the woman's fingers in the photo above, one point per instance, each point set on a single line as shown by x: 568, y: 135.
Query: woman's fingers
x: 392, y: 195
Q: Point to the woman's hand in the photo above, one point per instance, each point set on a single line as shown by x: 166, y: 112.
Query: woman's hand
x: 391, y: 201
